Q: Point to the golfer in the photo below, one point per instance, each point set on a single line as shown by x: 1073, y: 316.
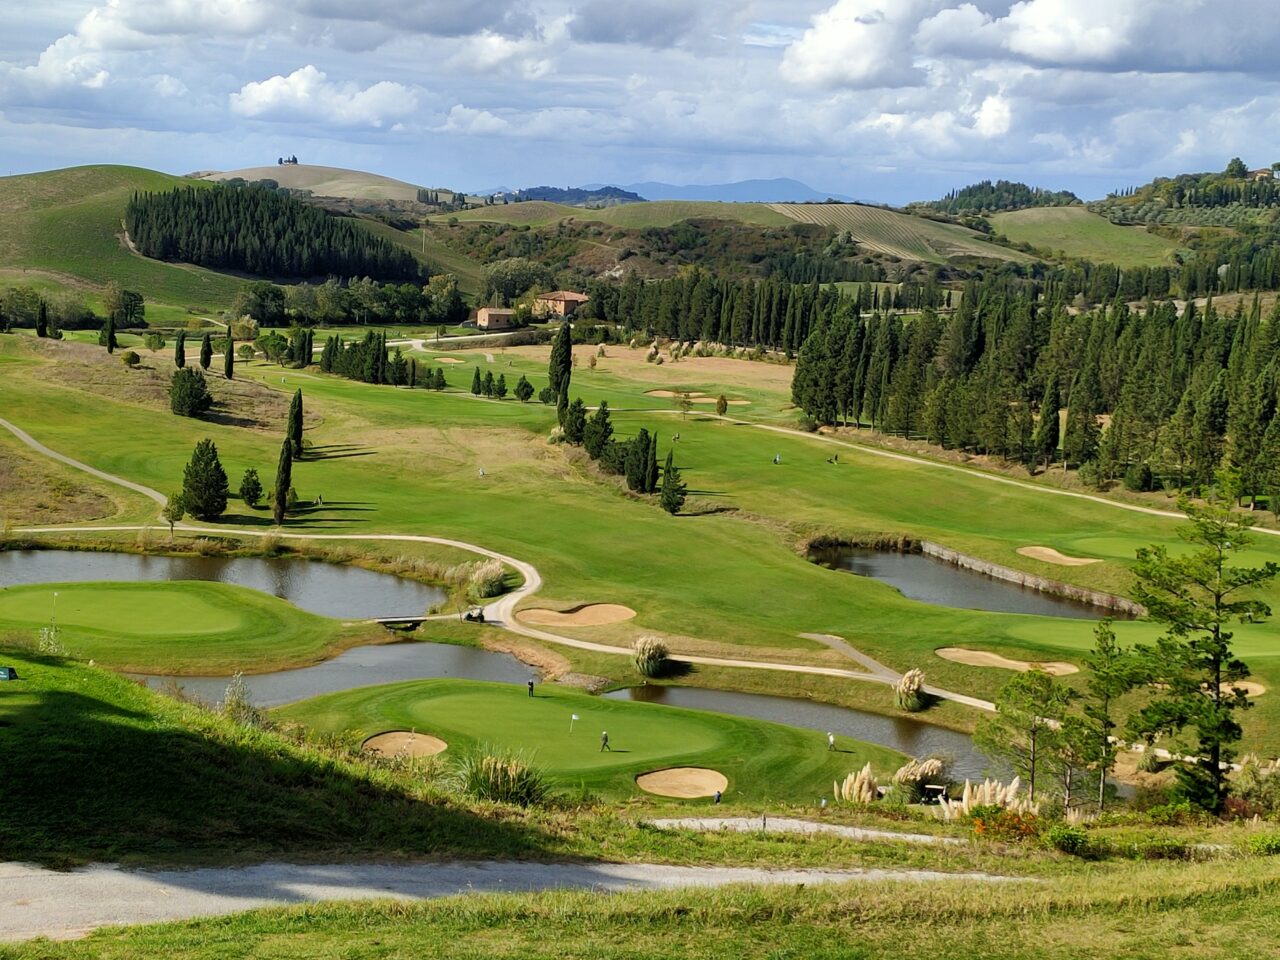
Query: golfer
x: 604, y: 742
x: 531, y: 686
x: 831, y: 741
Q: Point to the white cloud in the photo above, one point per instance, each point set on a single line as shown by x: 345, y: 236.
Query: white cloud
x: 471, y: 122
x: 859, y: 44
x: 994, y: 117
x: 308, y: 95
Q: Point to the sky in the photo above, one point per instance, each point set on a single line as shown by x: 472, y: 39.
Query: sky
x: 887, y: 100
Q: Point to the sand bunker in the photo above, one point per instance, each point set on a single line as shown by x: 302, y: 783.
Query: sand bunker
x: 587, y: 615
x: 683, y: 782
x: 693, y: 397
x: 1250, y: 687
x: 449, y: 360
x: 1050, y: 555
x: 982, y: 658
x: 405, y: 743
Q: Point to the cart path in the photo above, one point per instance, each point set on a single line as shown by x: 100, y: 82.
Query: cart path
x: 501, y: 612
x: 62, y: 905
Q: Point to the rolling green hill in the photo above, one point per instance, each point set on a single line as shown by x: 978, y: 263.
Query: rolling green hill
x: 1079, y: 232
x: 65, y: 225
x: 898, y: 234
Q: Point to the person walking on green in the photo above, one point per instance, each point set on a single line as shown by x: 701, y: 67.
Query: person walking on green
x: 604, y: 741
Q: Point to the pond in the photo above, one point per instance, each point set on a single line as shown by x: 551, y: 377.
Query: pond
x: 904, y: 734
x: 933, y: 581
x: 329, y: 589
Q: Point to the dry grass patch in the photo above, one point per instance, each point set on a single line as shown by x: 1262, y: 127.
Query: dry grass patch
x: 34, y: 490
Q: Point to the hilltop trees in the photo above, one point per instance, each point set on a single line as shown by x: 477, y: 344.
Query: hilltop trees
x: 188, y: 393
x: 261, y: 232
x: 204, y: 483
x: 1197, y: 595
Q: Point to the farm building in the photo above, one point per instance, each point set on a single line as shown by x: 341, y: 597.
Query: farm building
x: 559, y: 303
x: 494, y: 318
x: 1264, y: 173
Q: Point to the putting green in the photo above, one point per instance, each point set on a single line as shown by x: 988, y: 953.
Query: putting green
x: 761, y: 760
x: 176, y: 627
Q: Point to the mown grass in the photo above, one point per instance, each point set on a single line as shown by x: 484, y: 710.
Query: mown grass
x: 763, y: 761
x: 1079, y: 232
x: 1148, y: 911
x: 727, y: 583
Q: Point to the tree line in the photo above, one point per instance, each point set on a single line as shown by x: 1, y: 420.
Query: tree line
x: 1188, y: 397
x: 358, y: 301
x: 260, y: 232
x: 986, y: 196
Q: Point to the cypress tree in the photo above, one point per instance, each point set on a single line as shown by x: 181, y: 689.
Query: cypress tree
x: 597, y: 432
x: 107, y: 338
x: 674, y: 491
x: 1045, y: 439
x: 284, y: 480
x: 560, y: 366
x: 651, y: 472
x: 575, y: 421
x: 295, y: 423
x: 487, y: 387
x: 475, y: 382
x: 500, y: 387
x: 42, y: 320
x: 204, y: 483
x: 206, y: 352
x: 440, y: 382
x: 180, y: 350
x: 413, y: 373
x: 636, y: 465
x: 229, y: 358
x: 524, y: 389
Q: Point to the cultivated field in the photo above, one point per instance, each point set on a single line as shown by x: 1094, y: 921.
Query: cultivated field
x: 326, y: 181
x: 1079, y: 232
x: 898, y: 234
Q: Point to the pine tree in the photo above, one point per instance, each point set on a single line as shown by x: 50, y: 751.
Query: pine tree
x: 180, y: 350
x: 500, y: 387
x: 575, y: 421
x: 229, y: 358
x: 251, y: 488
x: 204, y: 483
x: 487, y: 387
x: 636, y: 465
x: 294, y: 430
x: 188, y: 393
x: 439, y: 380
x: 206, y: 352
x: 597, y: 432
x: 284, y: 481
x: 674, y: 490
x: 1045, y: 439
x: 476, y: 385
x: 524, y: 389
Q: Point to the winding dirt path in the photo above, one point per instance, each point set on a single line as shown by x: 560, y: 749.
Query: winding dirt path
x: 68, y: 904
x: 40, y: 448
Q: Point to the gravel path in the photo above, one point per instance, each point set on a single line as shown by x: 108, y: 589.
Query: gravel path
x: 38, y: 902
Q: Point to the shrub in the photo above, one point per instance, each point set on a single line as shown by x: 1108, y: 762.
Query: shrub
x: 188, y: 393
x: 1138, y: 478
x: 1265, y: 844
x: 488, y: 579
x: 912, y: 776
x: 236, y: 705
x: 1179, y: 813
x: 908, y: 693
x: 861, y: 787
x: 999, y: 823
x: 130, y: 359
x: 501, y: 778
x: 1067, y: 839
x: 650, y: 654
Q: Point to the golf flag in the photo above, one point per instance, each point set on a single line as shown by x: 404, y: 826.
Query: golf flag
x: 572, y: 717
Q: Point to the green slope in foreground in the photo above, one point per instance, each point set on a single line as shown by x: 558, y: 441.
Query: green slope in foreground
x: 761, y: 760
x: 66, y: 224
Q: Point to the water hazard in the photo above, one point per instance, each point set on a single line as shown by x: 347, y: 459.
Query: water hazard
x: 943, y: 584
x: 329, y: 589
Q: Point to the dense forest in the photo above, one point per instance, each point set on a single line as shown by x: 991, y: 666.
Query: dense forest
x: 261, y: 232
x: 578, y: 196
x: 1187, y: 398
x: 988, y: 197
x: 362, y: 301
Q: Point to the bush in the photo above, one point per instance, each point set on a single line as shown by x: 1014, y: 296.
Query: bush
x: 997, y: 823
x: 908, y: 693
x: 1138, y: 478
x: 488, y: 579
x: 1265, y: 844
x: 501, y: 778
x: 1067, y: 839
x: 651, y: 655
x: 1179, y: 813
x: 130, y: 359
x: 188, y: 393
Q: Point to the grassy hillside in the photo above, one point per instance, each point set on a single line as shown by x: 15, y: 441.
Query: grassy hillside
x: 66, y: 225
x: 437, y: 256
x: 326, y: 181
x: 898, y: 234
x: 654, y: 213
x: 1079, y: 232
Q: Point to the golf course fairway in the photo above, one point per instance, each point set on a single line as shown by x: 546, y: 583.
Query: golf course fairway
x: 760, y: 760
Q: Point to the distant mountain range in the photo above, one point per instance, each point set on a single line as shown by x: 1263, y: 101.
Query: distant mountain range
x: 780, y: 190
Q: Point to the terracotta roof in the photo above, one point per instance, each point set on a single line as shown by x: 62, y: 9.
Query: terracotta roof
x: 566, y: 295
